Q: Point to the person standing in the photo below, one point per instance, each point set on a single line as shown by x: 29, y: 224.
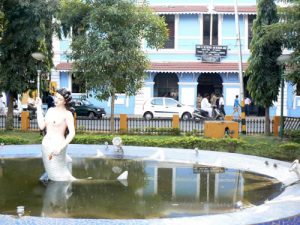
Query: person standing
x: 221, y: 104
x: 236, y: 106
x: 213, y: 99
x: 247, y: 106
x: 2, y: 106
x: 205, y: 105
x: 199, y: 99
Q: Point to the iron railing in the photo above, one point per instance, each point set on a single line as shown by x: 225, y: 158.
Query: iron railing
x: 254, y: 125
x: 291, y: 123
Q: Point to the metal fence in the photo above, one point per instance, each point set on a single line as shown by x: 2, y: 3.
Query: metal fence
x: 141, y: 125
x: 103, y: 125
x: 254, y: 125
x: 291, y: 123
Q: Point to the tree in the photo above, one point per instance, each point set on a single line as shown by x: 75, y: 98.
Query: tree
x: 106, y: 46
x: 287, y: 29
x: 26, y: 28
x: 263, y: 71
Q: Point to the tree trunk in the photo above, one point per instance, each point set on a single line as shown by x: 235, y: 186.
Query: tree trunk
x: 10, y: 117
x: 267, y: 121
x: 112, y: 113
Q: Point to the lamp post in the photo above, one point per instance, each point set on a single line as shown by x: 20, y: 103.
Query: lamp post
x: 39, y: 57
x: 240, y: 66
x: 281, y: 60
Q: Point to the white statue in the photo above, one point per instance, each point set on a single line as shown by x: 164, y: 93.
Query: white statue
x: 60, y: 130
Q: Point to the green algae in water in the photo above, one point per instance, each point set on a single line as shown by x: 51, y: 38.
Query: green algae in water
x: 153, y: 190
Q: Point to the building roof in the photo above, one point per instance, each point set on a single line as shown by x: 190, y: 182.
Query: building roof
x: 198, y: 9
x: 64, y: 66
x: 180, y: 67
x: 192, y: 67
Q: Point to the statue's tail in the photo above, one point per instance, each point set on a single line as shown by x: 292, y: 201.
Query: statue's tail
x: 123, y: 178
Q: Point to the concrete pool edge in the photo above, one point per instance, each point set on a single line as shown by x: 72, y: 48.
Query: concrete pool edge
x: 286, y: 205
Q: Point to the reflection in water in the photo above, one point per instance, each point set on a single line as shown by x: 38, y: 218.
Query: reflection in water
x: 155, y: 189
x: 55, y: 200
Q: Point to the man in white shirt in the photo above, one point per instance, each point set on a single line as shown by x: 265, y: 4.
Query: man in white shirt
x: 205, y: 105
x: 221, y: 104
x: 2, y: 106
x: 247, y: 105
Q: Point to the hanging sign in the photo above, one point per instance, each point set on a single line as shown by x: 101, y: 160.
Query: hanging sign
x: 211, y: 53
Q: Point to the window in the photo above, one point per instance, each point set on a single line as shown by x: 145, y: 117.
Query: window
x: 298, y: 88
x: 170, y: 21
x: 171, y: 102
x: 157, y: 101
x: 251, y: 18
x: 207, y: 29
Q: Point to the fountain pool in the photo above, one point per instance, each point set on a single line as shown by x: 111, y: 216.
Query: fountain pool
x: 165, y: 186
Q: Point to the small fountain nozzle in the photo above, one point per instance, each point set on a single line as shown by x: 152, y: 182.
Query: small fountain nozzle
x: 20, y: 211
x: 117, y: 142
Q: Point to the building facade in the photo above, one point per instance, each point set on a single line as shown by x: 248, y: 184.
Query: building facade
x: 201, y: 56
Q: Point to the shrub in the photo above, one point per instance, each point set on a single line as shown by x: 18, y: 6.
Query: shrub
x: 289, y: 150
x: 12, y: 140
x: 293, y: 135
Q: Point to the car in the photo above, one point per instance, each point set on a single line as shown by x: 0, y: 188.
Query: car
x: 163, y: 107
x: 85, y: 108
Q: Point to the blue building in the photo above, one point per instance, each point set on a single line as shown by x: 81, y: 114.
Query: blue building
x: 201, y: 56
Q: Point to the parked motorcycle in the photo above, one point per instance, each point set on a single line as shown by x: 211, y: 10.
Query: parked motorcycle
x: 200, y: 114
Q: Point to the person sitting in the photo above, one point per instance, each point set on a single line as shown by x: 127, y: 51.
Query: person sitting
x: 205, y: 105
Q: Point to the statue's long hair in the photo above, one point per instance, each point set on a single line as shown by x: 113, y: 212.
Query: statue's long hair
x: 68, y: 104
x: 68, y: 98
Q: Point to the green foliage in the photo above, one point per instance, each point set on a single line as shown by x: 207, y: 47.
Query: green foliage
x: 25, y: 27
x: 289, y: 150
x: 293, y: 135
x: 106, y: 47
x: 155, y: 130
x: 263, y: 71
x: 288, y: 31
x: 12, y: 140
x: 259, y: 145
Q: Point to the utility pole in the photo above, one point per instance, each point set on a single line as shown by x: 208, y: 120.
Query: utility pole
x: 237, y: 29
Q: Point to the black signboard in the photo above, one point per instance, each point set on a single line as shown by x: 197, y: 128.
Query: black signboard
x: 212, y: 50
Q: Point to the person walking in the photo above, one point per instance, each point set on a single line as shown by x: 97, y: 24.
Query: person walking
x: 236, y: 107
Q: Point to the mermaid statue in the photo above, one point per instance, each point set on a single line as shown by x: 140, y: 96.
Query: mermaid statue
x: 59, y: 125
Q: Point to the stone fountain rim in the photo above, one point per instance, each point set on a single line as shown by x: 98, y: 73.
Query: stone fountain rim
x: 286, y: 205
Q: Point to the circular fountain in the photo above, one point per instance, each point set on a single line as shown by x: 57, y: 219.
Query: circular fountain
x: 164, y: 186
